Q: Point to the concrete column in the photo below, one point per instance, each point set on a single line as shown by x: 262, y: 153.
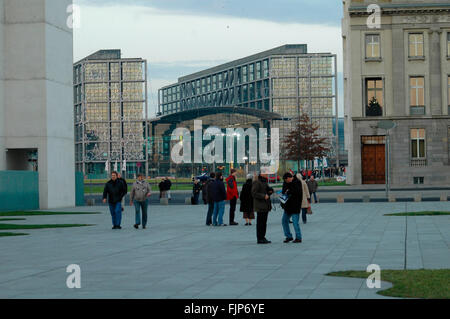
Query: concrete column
x: 398, y: 72
x: 435, y: 72
x: 2, y: 111
x: 39, y: 94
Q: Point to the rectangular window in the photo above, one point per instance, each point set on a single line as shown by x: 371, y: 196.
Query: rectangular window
x: 252, y: 72
x: 418, y: 180
x: 416, y: 45
x: 244, y: 74
x: 220, y: 80
x: 374, y: 97
x: 448, y: 44
x: 258, y: 70
x: 448, y: 93
x: 417, y: 95
x: 373, y: 46
x: 266, y: 68
x: 418, y: 144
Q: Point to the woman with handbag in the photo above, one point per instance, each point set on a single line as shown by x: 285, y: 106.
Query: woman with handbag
x: 294, y: 193
x: 305, y: 202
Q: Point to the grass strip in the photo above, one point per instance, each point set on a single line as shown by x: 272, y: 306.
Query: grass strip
x: 12, y: 234
x: 16, y: 227
x: 420, y: 214
x: 31, y: 213
x: 420, y: 283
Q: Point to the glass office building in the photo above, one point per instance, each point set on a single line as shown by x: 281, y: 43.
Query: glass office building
x: 270, y: 89
x: 110, y: 103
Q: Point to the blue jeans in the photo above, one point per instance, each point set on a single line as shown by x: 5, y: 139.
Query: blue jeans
x: 315, y: 197
x: 219, y: 210
x: 210, y: 213
x: 116, y: 213
x: 295, y: 222
x: 138, y: 206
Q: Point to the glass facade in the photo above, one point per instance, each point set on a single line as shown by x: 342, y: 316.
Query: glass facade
x: 286, y: 85
x: 109, y: 106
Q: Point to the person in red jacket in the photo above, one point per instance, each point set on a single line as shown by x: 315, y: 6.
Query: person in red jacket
x: 232, y: 195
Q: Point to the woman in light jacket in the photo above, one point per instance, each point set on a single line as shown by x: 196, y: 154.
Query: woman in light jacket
x: 306, y: 196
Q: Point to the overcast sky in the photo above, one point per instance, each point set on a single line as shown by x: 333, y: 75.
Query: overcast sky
x: 179, y: 37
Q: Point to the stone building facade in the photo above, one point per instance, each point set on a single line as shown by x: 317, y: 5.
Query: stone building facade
x: 397, y: 69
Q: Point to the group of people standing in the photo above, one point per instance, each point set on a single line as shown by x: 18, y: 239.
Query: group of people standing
x: 256, y: 198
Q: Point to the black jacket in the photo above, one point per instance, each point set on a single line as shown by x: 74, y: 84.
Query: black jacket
x: 261, y: 188
x: 216, y: 191
x: 197, y: 188
x: 114, y: 191
x: 295, y: 193
x: 246, y: 197
x: 205, y: 191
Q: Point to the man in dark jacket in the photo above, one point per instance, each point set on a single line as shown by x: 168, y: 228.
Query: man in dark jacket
x: 312, y: 187
x: 114, y: 191
x: 218, y: 194
x: 125, y: 187
x: 247, y: 201
x: 207, y: 198
x: 262, y: 204
x: 291, y: 208
x: 196, y: 189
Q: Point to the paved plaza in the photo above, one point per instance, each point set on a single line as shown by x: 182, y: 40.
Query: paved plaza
x: 179, y: 257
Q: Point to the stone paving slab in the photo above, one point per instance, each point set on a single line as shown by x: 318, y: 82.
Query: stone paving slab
x: 179, y: 257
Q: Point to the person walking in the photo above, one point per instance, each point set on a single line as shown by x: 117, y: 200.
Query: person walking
x: 218, y: 195
x: 232, y: 195
x: 125, y: 186
x: 196, y: 191
x: 305, y: 197
x: 312, y: 187
x: 207, y: 197
x: 262, y: 204
x: 291, y: 208
x: 168, y: 185
x: 247, y: 201
x: 114, y: 191
x: 139, y: 196
x: 162, y: 188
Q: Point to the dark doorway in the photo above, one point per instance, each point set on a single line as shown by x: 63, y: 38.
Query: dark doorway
x: 22, y: 160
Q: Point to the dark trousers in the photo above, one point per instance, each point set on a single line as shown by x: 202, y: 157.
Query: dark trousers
x: 261, y: 225
x: 196, y: 198
x: 304, y: 211
x: 210, y: 213
x: 232, y: 209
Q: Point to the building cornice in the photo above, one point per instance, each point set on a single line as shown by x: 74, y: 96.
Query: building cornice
x: 402, y: 9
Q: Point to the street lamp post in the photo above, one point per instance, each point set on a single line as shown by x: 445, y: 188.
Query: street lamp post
x: 387, y: 125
